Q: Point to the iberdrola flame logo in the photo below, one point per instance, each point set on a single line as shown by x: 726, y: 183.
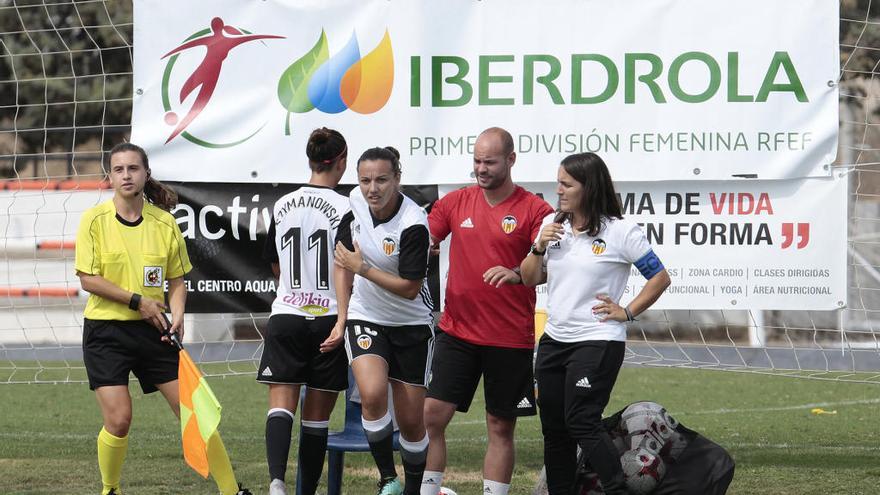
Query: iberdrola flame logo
x: 334, y: 84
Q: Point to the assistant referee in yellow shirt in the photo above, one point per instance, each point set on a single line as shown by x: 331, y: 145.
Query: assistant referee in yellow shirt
x: 127, y: 249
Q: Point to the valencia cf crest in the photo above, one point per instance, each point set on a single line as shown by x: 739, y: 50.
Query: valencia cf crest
x: 508, y: 224
x: 388, y: 245
x: 598, y: 247
x: 152, y: 276
x: 364, y: 342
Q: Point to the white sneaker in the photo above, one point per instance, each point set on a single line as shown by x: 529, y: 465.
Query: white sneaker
x: 277, y: 487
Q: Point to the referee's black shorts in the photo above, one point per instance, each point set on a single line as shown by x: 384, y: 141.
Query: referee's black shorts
x: 112, y: 349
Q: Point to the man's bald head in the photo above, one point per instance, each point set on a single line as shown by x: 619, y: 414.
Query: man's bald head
x: 500, y: 136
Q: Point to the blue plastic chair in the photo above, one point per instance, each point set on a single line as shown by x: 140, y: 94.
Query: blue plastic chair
x: 350, y: 439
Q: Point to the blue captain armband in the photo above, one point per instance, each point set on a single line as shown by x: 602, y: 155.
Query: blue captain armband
x: 649, y: 265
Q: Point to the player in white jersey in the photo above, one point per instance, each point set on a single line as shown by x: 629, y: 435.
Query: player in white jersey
x: 584, y: 252
x: 298, y: 349
x: 383, y: 249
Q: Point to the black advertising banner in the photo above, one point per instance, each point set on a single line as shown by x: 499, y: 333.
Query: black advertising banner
x: 225, y: 227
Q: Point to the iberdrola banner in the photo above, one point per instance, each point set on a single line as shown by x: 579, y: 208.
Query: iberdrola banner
x: 228, y: 91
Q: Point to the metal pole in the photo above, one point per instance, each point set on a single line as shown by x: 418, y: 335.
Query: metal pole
x: 757, y: 333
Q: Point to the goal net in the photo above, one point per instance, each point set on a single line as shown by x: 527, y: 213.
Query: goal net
x: 66, y: 98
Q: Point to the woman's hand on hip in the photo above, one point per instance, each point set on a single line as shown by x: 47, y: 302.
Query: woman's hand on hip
x: 608, y: 310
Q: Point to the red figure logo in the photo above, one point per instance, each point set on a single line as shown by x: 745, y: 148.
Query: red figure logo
x: 219, y: 43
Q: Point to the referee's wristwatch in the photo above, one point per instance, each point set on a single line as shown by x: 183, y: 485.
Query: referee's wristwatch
x: 538, y: 252
x: 134, y: 303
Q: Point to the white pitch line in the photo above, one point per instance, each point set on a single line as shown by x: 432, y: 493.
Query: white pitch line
x: 779, y: 408
x: 483, y: 421
x: 483, y: 440
x: 170, y: 438
x: 787, y: 446
x: 722, y: 410
x: 29, y: 435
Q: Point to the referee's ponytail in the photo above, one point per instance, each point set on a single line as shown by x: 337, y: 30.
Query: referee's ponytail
x: 159, y: 194
x: 155, y: 192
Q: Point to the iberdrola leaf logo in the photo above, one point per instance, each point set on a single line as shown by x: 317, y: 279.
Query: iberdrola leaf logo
x: 339, y: 83
x: 294, y: 82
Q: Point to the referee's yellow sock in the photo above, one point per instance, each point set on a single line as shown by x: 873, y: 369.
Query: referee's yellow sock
x: 220, y: 466
x: 111, y: 455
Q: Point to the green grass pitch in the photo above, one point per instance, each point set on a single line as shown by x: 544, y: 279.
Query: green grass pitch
x: 47, y: 436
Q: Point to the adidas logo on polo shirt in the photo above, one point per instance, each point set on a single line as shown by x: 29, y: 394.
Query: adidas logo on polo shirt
x: 524, y: 404
x: 467, y: 224
x: 267, y: 372
x: 584, y: 383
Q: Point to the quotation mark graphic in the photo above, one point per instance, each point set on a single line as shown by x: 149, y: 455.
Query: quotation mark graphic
x: 803, y: 235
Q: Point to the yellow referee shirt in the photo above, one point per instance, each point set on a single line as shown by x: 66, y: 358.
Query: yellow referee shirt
x: 138, y: 257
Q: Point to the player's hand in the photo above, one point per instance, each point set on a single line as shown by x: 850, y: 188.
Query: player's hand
x: 608, y: 309
x: 151, y: 311
x: 551, y: 233
x: 352, y: 261
x: 435, y: 247
x: 176, y: 327
x: 498, y: 275
x: 335, y: 338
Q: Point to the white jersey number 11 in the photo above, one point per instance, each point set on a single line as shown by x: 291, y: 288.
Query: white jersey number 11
x: 320, y: 240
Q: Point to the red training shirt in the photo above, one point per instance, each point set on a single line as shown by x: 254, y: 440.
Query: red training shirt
x: 484, y: 236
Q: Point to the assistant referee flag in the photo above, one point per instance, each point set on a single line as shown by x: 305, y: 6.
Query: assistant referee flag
x: 199, y: 414
x: 199, y: 417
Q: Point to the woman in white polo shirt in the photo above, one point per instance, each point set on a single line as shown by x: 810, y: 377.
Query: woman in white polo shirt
x: 584, y: 253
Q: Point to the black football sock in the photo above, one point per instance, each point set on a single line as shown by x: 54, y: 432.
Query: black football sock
x: 279, y: 424
x: 312, y: 450
x: 379, y: 435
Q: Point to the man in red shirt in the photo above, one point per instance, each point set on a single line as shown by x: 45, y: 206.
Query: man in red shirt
x: 487, y: 329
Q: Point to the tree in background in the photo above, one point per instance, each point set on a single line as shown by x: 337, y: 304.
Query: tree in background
x: 65, y: 83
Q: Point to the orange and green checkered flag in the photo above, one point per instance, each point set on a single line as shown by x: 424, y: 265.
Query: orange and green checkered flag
x: 199, y: 414
x: 199, y: 418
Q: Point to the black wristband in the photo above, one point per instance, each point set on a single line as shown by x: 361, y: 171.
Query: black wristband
x: 135, y: 302
x: 538, y: 252
x: 629, y: 315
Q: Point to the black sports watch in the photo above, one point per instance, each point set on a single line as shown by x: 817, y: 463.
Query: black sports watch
x: 536, y: 251
x: 135, y: 302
